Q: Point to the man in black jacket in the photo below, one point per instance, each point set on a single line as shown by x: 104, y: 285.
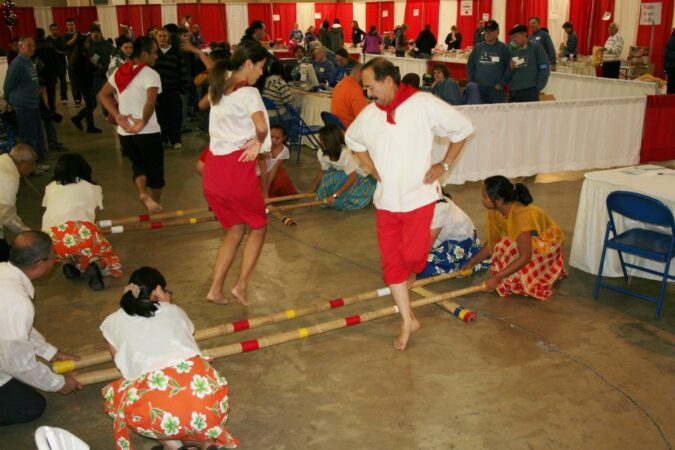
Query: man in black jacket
x: 426, y: 41
x: 171, y: 69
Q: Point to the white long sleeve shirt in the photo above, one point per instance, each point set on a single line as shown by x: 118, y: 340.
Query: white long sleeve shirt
x: 614, y: 47
x: 20, y: 343
x: 9, y: 186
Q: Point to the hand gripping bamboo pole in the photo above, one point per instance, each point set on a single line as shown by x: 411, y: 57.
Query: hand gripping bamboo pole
x: 117, y: 229
x: 100, y: 376
x: 151, y: 217
x: 255, y: 322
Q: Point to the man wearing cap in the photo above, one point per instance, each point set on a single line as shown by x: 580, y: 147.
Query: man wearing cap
x: 488, y: 65
x: 541, y: 37
x: 529, y: 67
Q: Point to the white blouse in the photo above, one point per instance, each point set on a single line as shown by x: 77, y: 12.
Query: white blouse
x: 147, y: 344
x: 285, y: 153
x: 347, y: 162
x: 454, y: 223
x: 71, y: 202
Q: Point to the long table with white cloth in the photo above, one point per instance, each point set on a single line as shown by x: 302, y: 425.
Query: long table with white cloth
x: 592, y: 216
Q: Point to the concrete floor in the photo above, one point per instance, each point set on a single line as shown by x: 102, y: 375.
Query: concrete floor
x: 565, y: 373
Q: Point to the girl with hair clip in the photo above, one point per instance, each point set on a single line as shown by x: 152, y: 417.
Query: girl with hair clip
x: 168, y: 391
x: 340, y: 180
x: 239, y: 130
x: 525, y: 243
x: 72, y: 199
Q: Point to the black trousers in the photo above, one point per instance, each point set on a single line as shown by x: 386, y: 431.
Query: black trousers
x: 90, y: 105
x: 170, y: 116
x: 671, y: 82
x: 20, y: 403
x: 50, y: 85
x: 4, y: 250
x: 74, y: 85
x: 525, y: 95
x: 63, y: 84
x: 611, y: 69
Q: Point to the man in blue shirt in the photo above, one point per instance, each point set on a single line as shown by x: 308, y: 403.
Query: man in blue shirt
x: 488, y: 65
x: 571, y: 47
x: 325, y: 70
x: 529, y: 67
x: 22, y: 92
x: 541, y: 37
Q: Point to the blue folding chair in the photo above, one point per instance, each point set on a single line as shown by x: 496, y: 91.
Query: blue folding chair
x: 332, y: 119
x: 299, y: 130
x: 648, y: 244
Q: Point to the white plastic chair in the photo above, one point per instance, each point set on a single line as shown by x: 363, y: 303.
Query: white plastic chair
x: 52, y: 438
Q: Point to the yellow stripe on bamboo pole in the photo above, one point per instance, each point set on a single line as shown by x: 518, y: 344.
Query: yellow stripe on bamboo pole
x: 100, y: 376
x: 151, y: 217
x: 140, y: 226
x: 255, y: 322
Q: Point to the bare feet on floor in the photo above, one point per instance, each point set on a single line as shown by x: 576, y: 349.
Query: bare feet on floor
x: 217, y: 297
x: 239, y: 293
x: 152, y: 206
x: 406, y: 330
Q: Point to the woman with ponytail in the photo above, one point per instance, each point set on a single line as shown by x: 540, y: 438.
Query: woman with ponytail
x: 239, y: 130
x: 168, y: 391
x: 526, y: 245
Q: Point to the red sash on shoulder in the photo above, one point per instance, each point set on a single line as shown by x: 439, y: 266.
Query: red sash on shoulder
x: 125, y: 74
x: 403, y: 94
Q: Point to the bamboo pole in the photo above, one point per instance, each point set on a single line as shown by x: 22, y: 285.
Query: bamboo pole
x: 297, y: 205
x: 286, y: 220
x: 255, y: 322
x: 286, y: 198
x: 151, y: 217
x: 117, y: 229
x: 99, y: 376
x: 456, y: 310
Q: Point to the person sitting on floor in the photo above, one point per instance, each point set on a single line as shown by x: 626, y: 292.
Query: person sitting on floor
x: 454, y: 240
x: 340, y: 180
x: 278, y: 182
x: 526, y: 244
x: 168, y: 391
x: 72, y: 199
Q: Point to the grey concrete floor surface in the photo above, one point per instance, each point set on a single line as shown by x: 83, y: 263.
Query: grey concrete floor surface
x: 568, y: 373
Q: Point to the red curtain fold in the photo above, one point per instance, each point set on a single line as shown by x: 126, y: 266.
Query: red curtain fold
x: 23, y: 26
x: 374, y: 11
x: 428, y: 12
x: 520, y: 11
x: 189, y: 9
x: 140, y: 17
x: 586, y: 17
x: 468, y: 24
x: 600, y: 28
x: 661, y: 34
x: 658, y: 138
x: 332, y: 11
x: 83, y: 16
x: 287, y: 17
x: 212, y: 22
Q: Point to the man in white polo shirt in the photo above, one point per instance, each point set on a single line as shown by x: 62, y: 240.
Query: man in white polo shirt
x: 393, y: 138
x: 135, y: 86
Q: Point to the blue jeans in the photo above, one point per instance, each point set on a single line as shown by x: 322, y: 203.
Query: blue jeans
x: 31, y: 131
x: 489, y: 95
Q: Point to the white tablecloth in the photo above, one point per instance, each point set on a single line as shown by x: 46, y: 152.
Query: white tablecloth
x: 576, y: 69
x: 311, y: 105
x: 589, y: 231
x: 405, y: 65
x: 566, y: 86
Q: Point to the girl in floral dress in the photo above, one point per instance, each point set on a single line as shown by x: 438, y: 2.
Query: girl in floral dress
x: 71, y: 200
x: 526, y: 244
x: 168, y: 391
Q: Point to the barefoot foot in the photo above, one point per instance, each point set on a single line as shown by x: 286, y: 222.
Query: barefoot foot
x: 152, y: 206
x: 217, y: 298
x: 406, y: 330
x: 239, y: 293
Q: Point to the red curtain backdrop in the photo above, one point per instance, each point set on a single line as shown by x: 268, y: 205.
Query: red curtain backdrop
x: 287, y: 17
x: 520, y: 11
x: 661, y: 34
x: 140, y: 17
x: 212, y: 22
x: 24, y: 26
x: 260, y: 11
x: 468, y: 24
x: 586, y: 17
x: 83, y: 16
x: 332, y: 11
x: 658, y: 138
x: 374, y: 12
x: 428, y: 14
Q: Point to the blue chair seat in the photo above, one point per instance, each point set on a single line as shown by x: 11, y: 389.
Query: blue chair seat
x: 643, y: 243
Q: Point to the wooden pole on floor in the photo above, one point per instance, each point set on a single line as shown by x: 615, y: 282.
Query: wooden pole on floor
x: 117, y: 229
x: 100, y: 376
x: 259, y: 321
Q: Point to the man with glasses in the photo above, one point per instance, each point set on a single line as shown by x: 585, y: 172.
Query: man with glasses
x: 611, y: 56
x: 31, y: 258
x: 488, y: 65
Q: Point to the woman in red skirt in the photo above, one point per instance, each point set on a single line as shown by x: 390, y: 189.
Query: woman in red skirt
x: 239, y: 130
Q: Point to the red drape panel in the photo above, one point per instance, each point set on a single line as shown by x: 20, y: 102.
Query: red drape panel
x: 580, y: 17
x: 428, y: 14
x: 287, y: 17
x: 212, y: 22
x: 468, y: 24
x: 188, y: 9
x: 600, y: 30
x: 332, y: 11
x: 374, y: 11
x: 140, y: 17
x: 520, y: 11
x: 83, y: 16
x: 661, y: 34
x: 260, y: 11
x: 658, y: 139
x: 586, y: 16
x: 24, y: 26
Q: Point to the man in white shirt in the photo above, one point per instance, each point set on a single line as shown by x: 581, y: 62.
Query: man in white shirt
x: 393, y: 138
x: 130, y: 95
x: 20, y: 161
x: 611, y: 56
x: 32, y: 257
